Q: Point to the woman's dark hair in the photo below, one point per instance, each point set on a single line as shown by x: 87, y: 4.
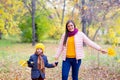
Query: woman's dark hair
x: 66, y: 30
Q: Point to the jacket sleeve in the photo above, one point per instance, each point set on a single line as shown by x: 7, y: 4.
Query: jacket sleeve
x: 60, y: 47
x: 30, y: 62
x: 90, y: 42
x: 47, y: 64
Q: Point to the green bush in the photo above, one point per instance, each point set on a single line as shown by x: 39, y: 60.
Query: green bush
x: 43, y: 24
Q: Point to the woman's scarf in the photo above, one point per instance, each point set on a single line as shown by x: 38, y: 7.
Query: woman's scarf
x: 41, y: 65
x: 73, y: 32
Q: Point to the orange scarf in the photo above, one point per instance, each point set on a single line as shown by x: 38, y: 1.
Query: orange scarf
x: 41, y: 65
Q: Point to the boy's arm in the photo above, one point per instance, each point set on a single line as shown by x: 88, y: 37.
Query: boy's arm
x: 30, y: 62
x: 47, y: 63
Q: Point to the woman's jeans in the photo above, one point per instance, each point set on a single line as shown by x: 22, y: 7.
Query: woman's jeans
x: 74, y: 64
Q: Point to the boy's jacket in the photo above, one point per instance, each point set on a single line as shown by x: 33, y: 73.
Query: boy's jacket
x: 32, y: 62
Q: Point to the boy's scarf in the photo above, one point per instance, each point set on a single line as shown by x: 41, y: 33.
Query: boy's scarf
x: 41, y: 65
x: 73, y: 32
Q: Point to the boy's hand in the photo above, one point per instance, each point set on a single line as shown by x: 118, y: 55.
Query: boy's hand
x: 30, y: 62
x: 55, y: 64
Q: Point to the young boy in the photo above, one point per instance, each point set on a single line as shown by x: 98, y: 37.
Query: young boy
x: 38, y: 61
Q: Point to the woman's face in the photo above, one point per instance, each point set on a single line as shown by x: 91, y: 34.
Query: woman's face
x: 70, y: 27
x: 39, y: 51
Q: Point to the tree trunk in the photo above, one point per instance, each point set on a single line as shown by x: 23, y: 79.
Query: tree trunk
x: 58, y: 15
x: 73, y: 11
x: 96, y: 33
x: 33, y: 22
x: 0, y: 34
x: 83, y: 24
x: 63, y: 13
x: 83, y: 18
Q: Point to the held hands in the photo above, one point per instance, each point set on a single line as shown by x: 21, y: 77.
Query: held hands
x: 55, y: 64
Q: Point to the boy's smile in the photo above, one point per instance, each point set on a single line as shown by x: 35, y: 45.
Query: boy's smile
x: 39, y: 51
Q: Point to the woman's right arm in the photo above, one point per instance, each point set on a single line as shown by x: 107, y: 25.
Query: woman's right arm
x: 60, y: 48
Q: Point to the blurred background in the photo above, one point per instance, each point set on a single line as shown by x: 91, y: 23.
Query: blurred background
x: 23, y: 23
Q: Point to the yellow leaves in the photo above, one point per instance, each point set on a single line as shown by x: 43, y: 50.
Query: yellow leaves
x: 1, y: 23
x: 76, y: 1
x: 1, y: 11
x: 6, y: 16
x: 11, y: 11
x: 111, y: 33
x: 52, y: 31
x: 85, y: 7
x: 115, y: 40
x: 111, y: 52
x: 23, y: 63
x: 9, y: 2
x: 20, y: 4
x: 112, y: 12
x: 14, y: 30
x: 117, y: 21
x: 109, y: 14
x: 16, y: 78
x: 91, y: 30
x: 118, y: 60
x: 113, y: 37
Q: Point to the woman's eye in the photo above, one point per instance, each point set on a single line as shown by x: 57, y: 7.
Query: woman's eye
x: 69, y: 25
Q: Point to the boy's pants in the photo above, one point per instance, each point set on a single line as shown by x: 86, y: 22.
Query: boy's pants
x: 74, y: 64
x: 38, y: 78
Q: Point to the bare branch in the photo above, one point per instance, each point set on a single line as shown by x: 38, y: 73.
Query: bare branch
x: 28, y: 7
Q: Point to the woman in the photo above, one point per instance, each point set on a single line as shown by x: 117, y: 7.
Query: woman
x: 71, y: 44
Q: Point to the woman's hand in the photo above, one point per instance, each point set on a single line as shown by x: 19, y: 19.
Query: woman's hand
x: 56, y: 59
x: 103, y: 51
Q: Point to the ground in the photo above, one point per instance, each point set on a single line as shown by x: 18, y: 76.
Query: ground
x: 91, y: 68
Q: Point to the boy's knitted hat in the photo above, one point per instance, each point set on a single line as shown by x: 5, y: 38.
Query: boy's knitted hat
x: 40, y: 45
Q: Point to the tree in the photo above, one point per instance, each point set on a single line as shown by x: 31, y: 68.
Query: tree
x: 31, y: 6
x: 83, y: 17
x: 10, y: 13
x: 43, y: 22
x: 63, y: 12
x: 33, y: 22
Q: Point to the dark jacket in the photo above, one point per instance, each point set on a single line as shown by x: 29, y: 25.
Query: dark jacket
x: 32, y: 62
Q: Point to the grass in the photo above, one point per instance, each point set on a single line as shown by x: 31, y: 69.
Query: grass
x: 4, y: 43
x: 11, y: 53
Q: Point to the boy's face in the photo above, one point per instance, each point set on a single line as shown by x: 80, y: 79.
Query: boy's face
x: 39, y: 51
